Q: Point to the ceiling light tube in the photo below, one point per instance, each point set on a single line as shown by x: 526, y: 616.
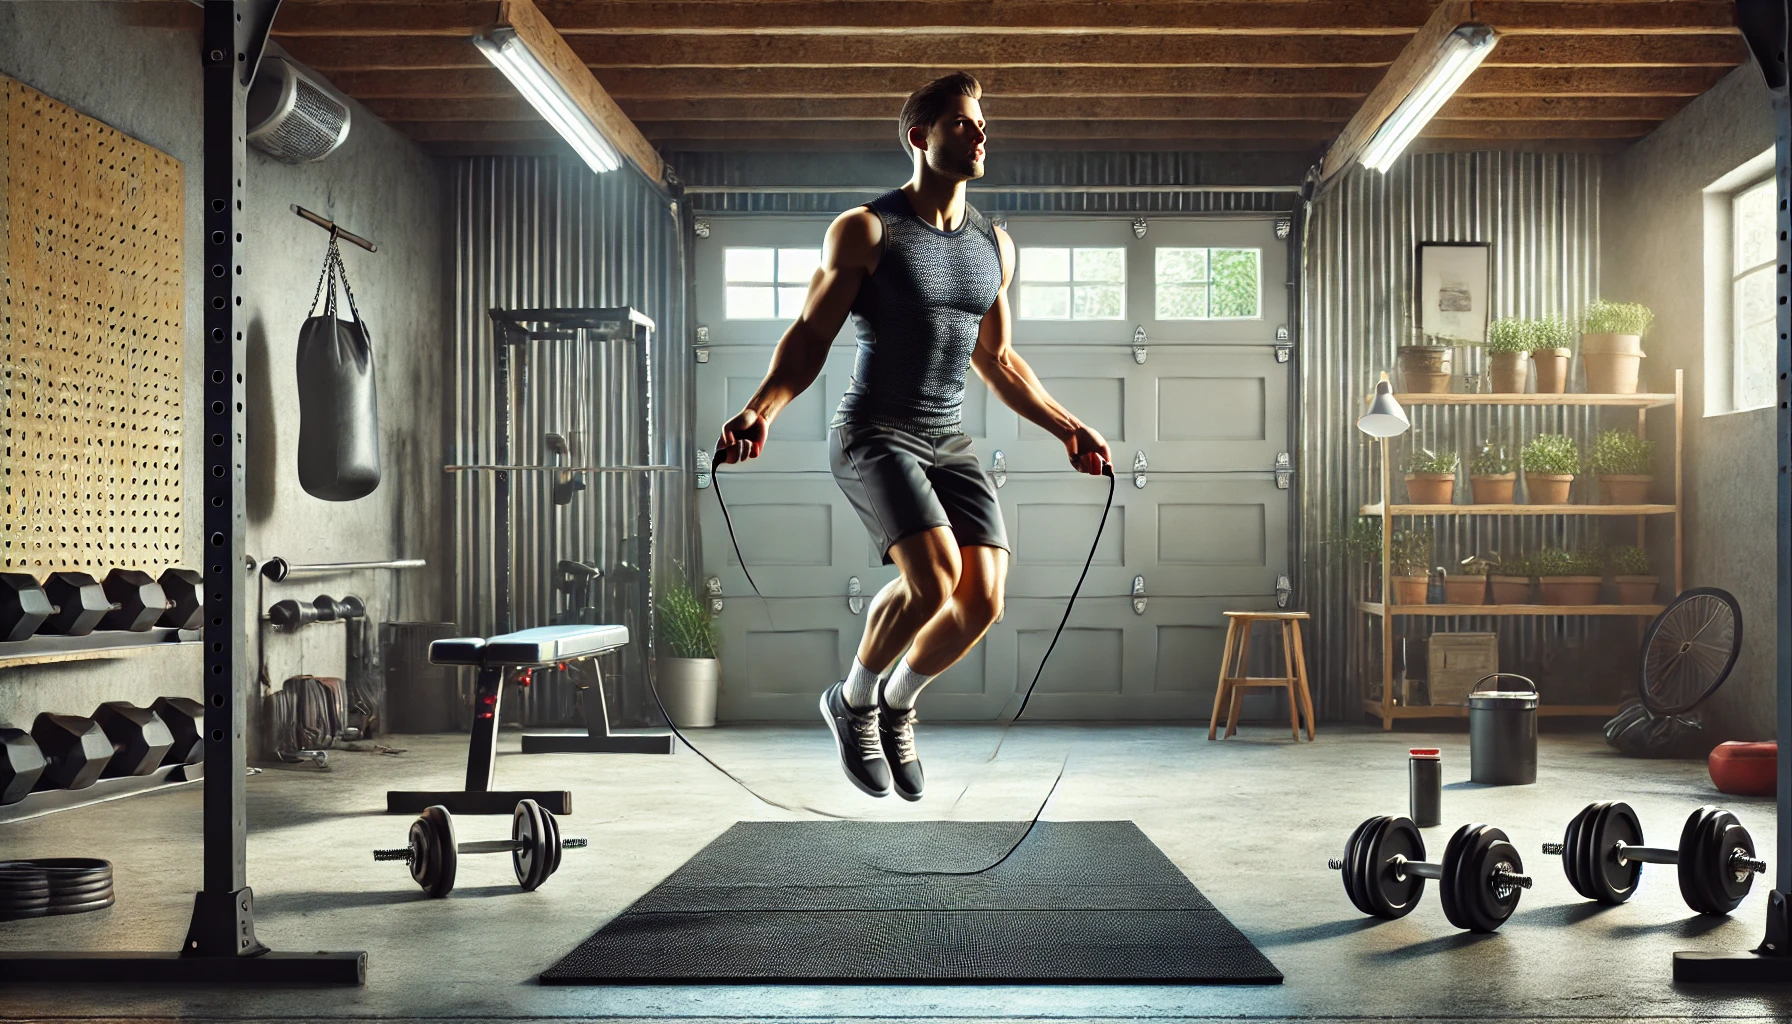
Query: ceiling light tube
x: 510, y: 55
x: 1463, y: 52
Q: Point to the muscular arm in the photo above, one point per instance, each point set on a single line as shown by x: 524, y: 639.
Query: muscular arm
x: 1002, y: 368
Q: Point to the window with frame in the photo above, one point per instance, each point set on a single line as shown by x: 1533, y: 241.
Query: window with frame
x: 1072, y: 283
x: 1209, y: 283
x: 767, y: 283
x: 1753, y: 296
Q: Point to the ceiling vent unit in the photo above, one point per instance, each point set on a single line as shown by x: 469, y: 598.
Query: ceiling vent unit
x: 291, y: 116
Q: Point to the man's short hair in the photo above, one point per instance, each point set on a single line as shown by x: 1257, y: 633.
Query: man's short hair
x: 925, y: 105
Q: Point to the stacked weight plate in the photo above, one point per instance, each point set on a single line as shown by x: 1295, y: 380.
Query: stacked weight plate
x: 60, y: 885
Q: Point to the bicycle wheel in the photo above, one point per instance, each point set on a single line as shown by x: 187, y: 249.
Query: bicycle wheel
x: 1689, y: 650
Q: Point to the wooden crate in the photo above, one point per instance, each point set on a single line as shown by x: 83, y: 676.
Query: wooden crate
x: 1458, y: 661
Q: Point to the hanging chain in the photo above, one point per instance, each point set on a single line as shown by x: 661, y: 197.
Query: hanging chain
x: 342, y: 270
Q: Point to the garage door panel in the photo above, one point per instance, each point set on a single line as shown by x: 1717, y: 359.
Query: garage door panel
x: 799, y: 438
x: 797, y: 531
x: 778, y: 656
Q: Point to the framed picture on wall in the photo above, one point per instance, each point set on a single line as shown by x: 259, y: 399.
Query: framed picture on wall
x: 1453, y: 283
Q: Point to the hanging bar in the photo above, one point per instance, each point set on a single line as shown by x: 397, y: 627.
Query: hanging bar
x: 331, y: 226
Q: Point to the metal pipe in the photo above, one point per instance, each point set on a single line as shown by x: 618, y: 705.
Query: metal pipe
x: 277, y: 569
x: 1419, y: 869
x: 1645, y: 854
x: 565, y: 469
x: 333, y: 228
x: 698, y: 190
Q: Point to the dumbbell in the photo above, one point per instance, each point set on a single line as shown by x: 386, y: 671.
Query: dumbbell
x: 140, y: 739
x: 534, y: 847
x: 1603, y: 855
x: 1479, y: 878
x: 290, y: 614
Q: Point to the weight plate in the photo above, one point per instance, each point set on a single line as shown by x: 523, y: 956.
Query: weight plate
x: 1459, y: 876
x: 553, y: 825
x: 1613, y: 881
x: 1571, y: 850
x: 1362, y: 866
x: 1723, y: 889
x: 1395, y: 897
x: 1483, y: 905
x: 1446, y: 889
x: 530, y: 833
x: 1350, y: 848
x: 82, y: 907
x: 1692, y: 885
x: 1586, y: 853
x: 433, y: 854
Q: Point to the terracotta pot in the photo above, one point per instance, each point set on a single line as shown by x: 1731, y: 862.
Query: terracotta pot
x: 1552, y: 370
x: 1465, y: 589
x: 1622, y: 489
x: 1547, y: 488
x: 1492, y: 488
x: 1511, y: 589
x: 1563, y: 590
x: 1430, y: 488
x: 1506, y: 372
x: 1410, y: 589
x: 1612, y: 362
x: 1424, y: 369
x: 1636, y: 589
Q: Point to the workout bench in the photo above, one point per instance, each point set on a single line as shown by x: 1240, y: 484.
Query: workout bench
x: 542, y: 647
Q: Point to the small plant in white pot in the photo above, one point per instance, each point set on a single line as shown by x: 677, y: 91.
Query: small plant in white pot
x: 1625, y: 464
x: 689, y: 679
x: 1431, y: 477
x: 1508, y: 345
x: 1611, y: 344
x: 1567, y: 577
x: 1633, y: 575
x: 1491, y: 475
x: 1549, y: 464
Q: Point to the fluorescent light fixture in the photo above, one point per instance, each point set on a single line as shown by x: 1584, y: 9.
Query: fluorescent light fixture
x: 1385, y: 417
x: 1463, y: 51
x: 507, y: 51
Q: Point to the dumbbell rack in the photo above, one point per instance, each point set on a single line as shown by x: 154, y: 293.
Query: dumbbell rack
x: 46, y: 650
x: 168, y: 776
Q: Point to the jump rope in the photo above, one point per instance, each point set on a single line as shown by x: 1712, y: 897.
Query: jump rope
x: 1107, y: 470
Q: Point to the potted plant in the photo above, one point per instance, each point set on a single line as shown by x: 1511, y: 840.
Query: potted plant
x: 1611, y: 344
x: 1431, y: 477
x: 1469, y: 585
x: 1567, y: 577
x: 1633, y: 575
x: 1508, y: 345
x: 1551, y: 354
x: 1549, y: 464
x: 1410, y: 565
x: 1625, y: 464
x: 1424, y: 369
x: 1510, y: 580
x: 687, y: 680
x: 1491, y: 474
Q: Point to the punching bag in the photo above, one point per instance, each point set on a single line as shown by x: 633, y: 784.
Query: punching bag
x: 339, y: 421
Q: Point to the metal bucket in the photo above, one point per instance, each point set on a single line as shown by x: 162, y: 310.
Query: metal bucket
x: 1502, y: 733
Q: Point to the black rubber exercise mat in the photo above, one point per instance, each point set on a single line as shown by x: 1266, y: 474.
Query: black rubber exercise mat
x: 841, y: 901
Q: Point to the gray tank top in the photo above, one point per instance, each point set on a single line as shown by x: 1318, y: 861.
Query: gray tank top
x: 917, y: 317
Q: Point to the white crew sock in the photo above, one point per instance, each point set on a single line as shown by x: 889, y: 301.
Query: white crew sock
x: 904, y: 686
x: 860, y: 689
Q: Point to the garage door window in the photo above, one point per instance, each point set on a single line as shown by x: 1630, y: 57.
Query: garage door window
x: 1208, y: 284
x: 768, y: 284
x: 1072, y: 283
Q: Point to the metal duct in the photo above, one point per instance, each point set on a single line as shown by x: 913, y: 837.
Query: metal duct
x: 1539, y: 212
x: 543, y: 232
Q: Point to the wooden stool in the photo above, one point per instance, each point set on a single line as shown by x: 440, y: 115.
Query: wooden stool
x: 1236, y: 656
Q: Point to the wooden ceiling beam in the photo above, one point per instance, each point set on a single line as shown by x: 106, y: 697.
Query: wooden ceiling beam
x: 1304, y: 151
x: 1005, y: 83
x: 1009, y: 17
x: 796, y: 52
x: 1001, y: 110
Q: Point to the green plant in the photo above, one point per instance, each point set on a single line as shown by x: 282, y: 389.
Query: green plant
x: 688, y: 628
x: 1409, y: 552
x: 1551, y: 454
x: 1620, y: 452
x: 1512, y: 565
x: 1557, y: 562
x: 1491, y: 460
x: 1551, y: 332
x: 1360, y: 539
x: 1604, y: 317
x: 1518, y: 334
x: 1628, y: 561
x: 1478, y: 565
x: 1424, y: 460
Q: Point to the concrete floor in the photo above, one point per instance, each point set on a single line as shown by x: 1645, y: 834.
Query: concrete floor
x: 1250, y: 820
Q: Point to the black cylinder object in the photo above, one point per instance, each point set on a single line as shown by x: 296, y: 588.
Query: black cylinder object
x: 1502, y: 734
x: 1425, y: 785
x: 420, y: 697
x: 339, y: 423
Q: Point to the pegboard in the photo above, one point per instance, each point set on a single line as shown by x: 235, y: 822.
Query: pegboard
x: 91, y: 335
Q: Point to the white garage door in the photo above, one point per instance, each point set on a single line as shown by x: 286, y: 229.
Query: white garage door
x: 1204, y: 417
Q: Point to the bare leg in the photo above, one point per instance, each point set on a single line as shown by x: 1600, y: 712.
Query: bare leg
x: 929, y: 563
x: 976, y: 604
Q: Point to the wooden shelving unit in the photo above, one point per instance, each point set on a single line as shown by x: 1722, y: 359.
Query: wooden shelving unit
x: 1385, y: 708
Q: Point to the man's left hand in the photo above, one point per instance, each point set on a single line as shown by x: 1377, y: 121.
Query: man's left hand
x: 1088, y: 450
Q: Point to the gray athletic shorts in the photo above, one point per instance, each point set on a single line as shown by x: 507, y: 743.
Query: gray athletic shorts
x: 903, y: 484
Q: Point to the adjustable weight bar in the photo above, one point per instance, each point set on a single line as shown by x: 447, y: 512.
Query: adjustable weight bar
x: 534, y: 847
x: 1480, y: 876
x: 1603, y: 855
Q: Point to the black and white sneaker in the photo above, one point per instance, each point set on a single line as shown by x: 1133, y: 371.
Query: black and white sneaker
x: 896, y: 732
x: 855, y: 737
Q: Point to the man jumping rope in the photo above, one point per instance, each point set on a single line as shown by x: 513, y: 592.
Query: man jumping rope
x: 924, y: 276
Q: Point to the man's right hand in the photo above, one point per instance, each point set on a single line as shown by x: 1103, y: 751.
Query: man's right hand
x: 743, y: 438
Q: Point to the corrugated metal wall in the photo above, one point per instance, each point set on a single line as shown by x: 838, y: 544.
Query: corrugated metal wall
x: 1539, y: 212
x: 543, y: 232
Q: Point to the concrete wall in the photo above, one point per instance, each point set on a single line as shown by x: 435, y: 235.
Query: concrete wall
x: 1654, y: 223
x: 143, y: 79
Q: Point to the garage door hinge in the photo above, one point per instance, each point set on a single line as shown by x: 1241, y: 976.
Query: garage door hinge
x: 998, y: 468
x: 1284, y: 345
x: 712, y: 591
x: 703, y: 468
x: 1138, y: 595
x: 855, y: 601
x: 1284, y: 471
x: 1138, y: 470
x: 1283, y: 589
x: 1283, y: 226
x: 1138, y: 344
x: 701, y: 345
x: 700, y: 228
